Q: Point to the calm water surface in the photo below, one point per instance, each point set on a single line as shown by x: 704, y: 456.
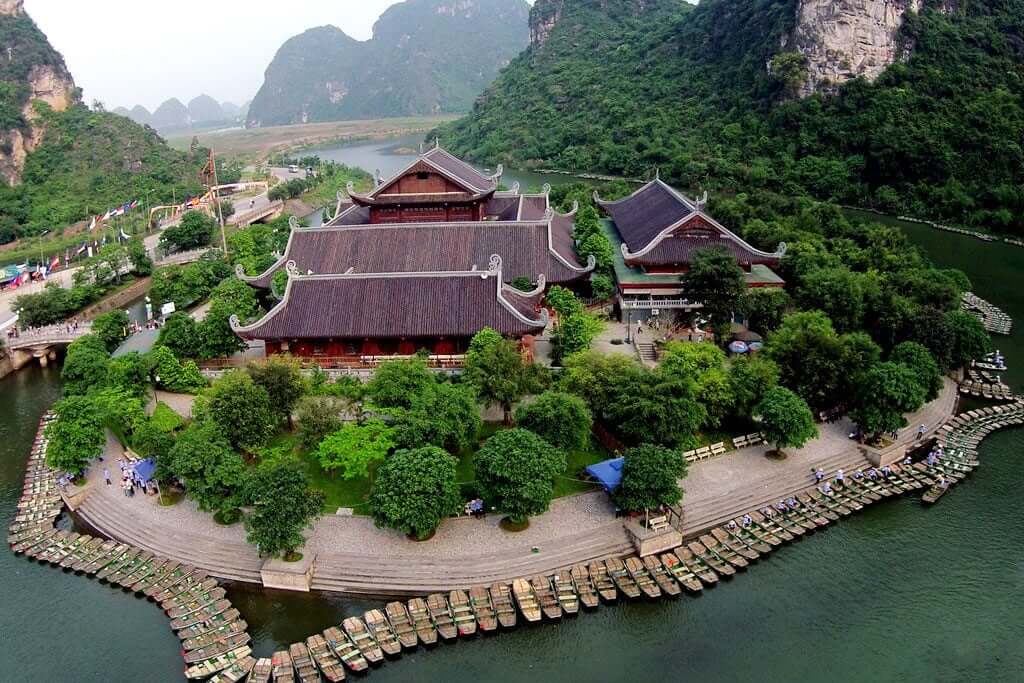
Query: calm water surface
x: 898, y: 593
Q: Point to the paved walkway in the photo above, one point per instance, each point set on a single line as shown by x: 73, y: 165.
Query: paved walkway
x: 354, y: 556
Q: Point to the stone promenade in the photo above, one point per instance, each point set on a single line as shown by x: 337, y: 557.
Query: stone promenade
x: 353, y: 556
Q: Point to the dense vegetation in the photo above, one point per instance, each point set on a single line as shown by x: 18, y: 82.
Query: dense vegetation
x: 627, y: 87
x: 425, y: 57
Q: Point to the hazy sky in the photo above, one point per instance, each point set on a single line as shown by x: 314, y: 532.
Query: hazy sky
x: 128, y: 52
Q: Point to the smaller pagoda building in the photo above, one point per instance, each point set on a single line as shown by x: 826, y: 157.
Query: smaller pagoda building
x: 655, y: 233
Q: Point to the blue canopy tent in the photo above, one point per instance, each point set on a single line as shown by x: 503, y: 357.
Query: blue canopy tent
x: 144, y: 470
x: 607, y: 473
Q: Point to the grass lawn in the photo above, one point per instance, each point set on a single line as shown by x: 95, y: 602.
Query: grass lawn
x: 354, y: 493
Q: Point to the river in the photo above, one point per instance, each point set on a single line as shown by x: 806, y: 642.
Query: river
x: 897, y: 593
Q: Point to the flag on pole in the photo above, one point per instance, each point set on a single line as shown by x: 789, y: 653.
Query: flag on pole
x: 55, y: 263
x: 134, y: 204
x: 124, y: 235
x: 88, y: 251
x: 81, y: 249
x: 92, y: 225
x: 107, y: 215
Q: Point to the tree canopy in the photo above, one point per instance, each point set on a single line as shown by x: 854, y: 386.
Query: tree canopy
x: 650, y: 478
x: 497, y: 369
x: 355, y: 448
x: 715, y: 279
x: 887, y: 393
x: 561, y: 419
x: 76, y: 436
x: 283, y: 504
x: 241, y: 408
x: 415, y: 490
x: 785, y: 419
x: 85, y: 365
x: 210, y: 469
x: 516, y: 472
x: 282, y: 379
x: 195, y: 230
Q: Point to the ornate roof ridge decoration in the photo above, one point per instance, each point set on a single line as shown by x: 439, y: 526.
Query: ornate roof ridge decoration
x: 338, y: 216
x: 269, y: 272
x: 489, y: 185
x: 679, y: 196
x: 551, y: 214
x: 432, y: 225
x: 725, y: 232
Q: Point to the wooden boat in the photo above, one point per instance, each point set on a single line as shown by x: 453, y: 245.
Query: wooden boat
x: 401, y: 624
x: 380, y: 629
x: 565, y: 591
x: 161, y: 572
x: 462, y: 613
x: 791, y: 523
x: 483, y: 609
x: 85, y: 550
x: 236, y: 672
x: 177, y: 606
x: 192, y: 591
x: 214, y: 636
x: 118, y: 562
x: 933, y: 494
x: 770, y: 527
x: 722, y: 552
x: 816, y: 508
x: 211, y: 624
x: 663, y: 578
x: 546, y: 597
x: 733, y: 542
x: 505, y: 610
x: 216, y: 649
x: 360, y: 635
x: 130, y: 568
x: 195, y: 603
x: 441, y: 615
x: 303, y: 663
x: 585, y: 587
x: 101, y: 561
x: 328, y: 663
x: 686, y: 578
x: 211, y: 666
x: 623, y: 581
x: 602, y: 581
x: 143, y: 572
x: 643, y: 579
x: 201, y: 615
x: 283, y: 670
x: 829, y: 503
x: 696, y: 566
x: 720, y: 566
x: 196, y: 582
x: 526, y: 599
x: 345, y: 649
x: 421, y: 621
x: 846, y: 498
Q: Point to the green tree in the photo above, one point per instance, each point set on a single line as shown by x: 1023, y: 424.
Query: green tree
x: 716, y: 280
x: 561, y: 419
x: 230, y: 297
x: 414, y: 491
x: 396, y: 383
x: 194, y: 231
x: 283, y: 504
x: 497, y: 369
x: 704, y: 366
x: 810, y: 356
x: 129, y: 373
x: 119, y: 410
x: 142, y: 264
x: 172, y: 375
x: 516, y: 471
x: 85, y: 365
x: 650, y: 478
x: 764, y: 308
x: 970, y: 340
x: 920, y: 360
x: 212, y: 473
x: 282, y: 379
x: 241, y: 408
x: 837, y: 292
x: 652, y: 408
x: 598, y: 378
x: 785, y: 418
x: 355, y: 449
x: 444, y: 415
x: 750, y: 378
x: 563, y: 301
x: 150, y: 441
x: 111, y: 328
x: 887, y: 392
x: 180, y: 334
x: 602, y: 286
x: 76, y: 436
x: 318, y: 417
x: 575, y: 333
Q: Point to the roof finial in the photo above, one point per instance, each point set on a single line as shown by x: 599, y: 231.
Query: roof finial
x: 437, y: 142
x: 657, y: 173
x: 377, y: 180
x: 702, y: 201
x: 421, y: 148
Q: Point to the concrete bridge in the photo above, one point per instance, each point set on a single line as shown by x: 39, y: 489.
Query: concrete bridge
x: 43, y: 343
x: 264, y: 212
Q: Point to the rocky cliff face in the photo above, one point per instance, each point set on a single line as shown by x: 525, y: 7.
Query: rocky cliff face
x: 845, y: 39
x: 543, y: 17
x: 37, y: 73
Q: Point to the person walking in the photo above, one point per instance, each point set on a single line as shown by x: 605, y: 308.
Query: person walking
x: 106, y: 475
x: 920, y: 432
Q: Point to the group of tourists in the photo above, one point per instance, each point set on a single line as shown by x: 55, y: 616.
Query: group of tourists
x: 129, y: 482
x: 475, y: 508
x: 14, y: 332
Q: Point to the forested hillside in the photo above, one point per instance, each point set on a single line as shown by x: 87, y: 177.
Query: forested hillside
x: 708, y: 95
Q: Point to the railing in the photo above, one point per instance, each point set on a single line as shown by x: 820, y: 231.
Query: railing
x: 453, y: 362
x: 650, y: 304
x: 179, y: 258
x: 54, y: 334
x: 256, y: 214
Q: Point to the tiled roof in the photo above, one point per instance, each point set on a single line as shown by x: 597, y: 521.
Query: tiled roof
x: 426, y: 247
x: 645, y: 214
x: 460, y: 170
x: 680, y: 249
x: 394, y: 306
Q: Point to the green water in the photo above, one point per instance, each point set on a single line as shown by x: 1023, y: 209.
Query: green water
x: 897, y: 593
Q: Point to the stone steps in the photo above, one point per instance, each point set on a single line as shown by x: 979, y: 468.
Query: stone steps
x: 223, y: 560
